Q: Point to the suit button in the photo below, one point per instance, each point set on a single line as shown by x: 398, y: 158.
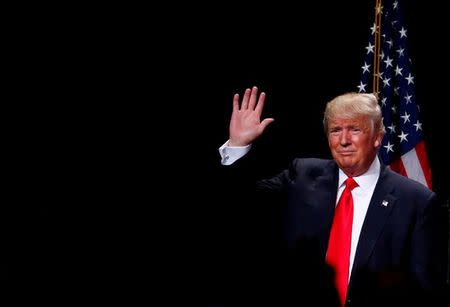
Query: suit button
x: 349, y: 302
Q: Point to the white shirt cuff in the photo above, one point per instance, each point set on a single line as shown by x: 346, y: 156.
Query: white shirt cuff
x: 231, y: 154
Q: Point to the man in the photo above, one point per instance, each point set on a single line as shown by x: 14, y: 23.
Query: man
x: 387, y: 247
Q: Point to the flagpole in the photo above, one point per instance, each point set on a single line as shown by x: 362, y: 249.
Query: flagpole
x: 377, y: 48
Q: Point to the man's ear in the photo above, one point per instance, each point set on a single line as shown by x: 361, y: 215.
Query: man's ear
x: 378, y: 140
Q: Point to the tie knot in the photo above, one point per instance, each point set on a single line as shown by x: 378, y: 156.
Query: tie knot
x: 350, y: 183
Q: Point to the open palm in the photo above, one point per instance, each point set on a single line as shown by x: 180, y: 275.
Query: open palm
x: 246, y: 124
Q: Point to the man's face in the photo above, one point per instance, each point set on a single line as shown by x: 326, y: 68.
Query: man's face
x: 353, y: 144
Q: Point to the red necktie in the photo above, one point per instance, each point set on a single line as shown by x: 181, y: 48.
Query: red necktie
x: 338, y: 253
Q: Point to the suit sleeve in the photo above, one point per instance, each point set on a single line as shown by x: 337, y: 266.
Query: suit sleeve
x: 429, y: 245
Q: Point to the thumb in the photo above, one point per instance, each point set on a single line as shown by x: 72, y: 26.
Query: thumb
x: 266, y: 122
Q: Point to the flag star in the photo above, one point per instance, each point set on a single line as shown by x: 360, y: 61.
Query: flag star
x: 398, y: 71
x: 396, y: 90
x: 403, y: 137
x: 403, y: 32
x: 395, y: 4
x: 365, y: 68
x: 418, y: 125
x: 405, y: 117
x: 386, y: 82
x: 392, y: 128
x: 373, y: 28
x: 394, y: 109
x: 400, y: 52
x: 389, y: 147
x: 390, y: 42
x: 362, y: 87
x: 383, y: 101
x: 379, y: 9
x: 382, y: 55
x: 370, y: 48
x: 393, y: 23
x: 410, y: 79
x: 408, y: 99
x: 388, y: 62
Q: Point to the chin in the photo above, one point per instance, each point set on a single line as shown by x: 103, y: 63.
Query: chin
x: 347, y: 165
x: 346, y: 161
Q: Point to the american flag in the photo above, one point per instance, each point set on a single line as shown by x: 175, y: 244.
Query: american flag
x: 403, y: 148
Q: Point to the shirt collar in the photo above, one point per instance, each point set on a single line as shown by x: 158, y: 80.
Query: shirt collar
x: 366, y: 180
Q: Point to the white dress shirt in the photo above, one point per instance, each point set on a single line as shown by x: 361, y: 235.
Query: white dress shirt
x: 231, y: 154
x: 362, y: 194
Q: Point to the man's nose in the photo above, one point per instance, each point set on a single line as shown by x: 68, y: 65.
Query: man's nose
x: 345, y: 138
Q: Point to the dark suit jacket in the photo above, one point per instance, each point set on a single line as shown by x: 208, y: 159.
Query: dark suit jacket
x: 400, y: 256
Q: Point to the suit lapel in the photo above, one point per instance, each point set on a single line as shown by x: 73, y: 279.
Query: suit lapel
x: 327, y: 201
x: 378, y: 212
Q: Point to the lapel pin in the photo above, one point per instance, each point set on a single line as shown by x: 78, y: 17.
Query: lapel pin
x: 384, y: 203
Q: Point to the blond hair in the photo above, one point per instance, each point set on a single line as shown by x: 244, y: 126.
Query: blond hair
x: 353, y: 105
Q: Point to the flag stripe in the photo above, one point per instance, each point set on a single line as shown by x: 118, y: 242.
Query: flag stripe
x: 412, y: 166
x: 423, y: 159
x: 397, y: 166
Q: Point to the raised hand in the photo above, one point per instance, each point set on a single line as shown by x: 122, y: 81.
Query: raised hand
x: 246, y: 124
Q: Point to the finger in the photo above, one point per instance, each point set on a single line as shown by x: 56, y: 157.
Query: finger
x: 236, y: 102
x: 245, y: 99
x: 265, y: 123
x: 260, y: 106
x: 253, y: 96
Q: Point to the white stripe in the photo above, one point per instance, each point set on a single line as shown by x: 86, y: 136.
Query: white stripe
x: 412, y: 166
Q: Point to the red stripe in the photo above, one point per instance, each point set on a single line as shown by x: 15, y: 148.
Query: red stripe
x: 397, y: 166
x: 423, y: 160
